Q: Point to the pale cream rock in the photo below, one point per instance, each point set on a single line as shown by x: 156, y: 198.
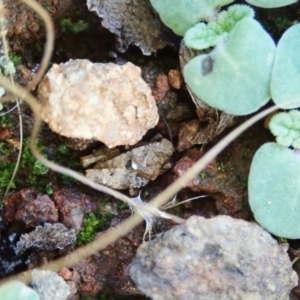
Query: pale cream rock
x: 107, y: 102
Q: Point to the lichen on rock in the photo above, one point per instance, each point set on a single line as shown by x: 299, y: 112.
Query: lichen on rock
x: 133, y: 22
x: 48, y: 237
x: 106, y: 102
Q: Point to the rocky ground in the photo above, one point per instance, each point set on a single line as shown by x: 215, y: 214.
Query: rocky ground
x: 41, y: 196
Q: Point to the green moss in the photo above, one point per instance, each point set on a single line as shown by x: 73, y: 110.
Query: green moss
x: 276, y: 26
x: 5, y: 177
x: 64, y: 157
x: 15, y: 59
x: 283, y: 24
x: 122, y: 205
x: 93, y: 223
x: 244, y: 182
x: 202, y: 175
x: 67, y: 25
x: 246, y: 156
x: 37, y: 49
x: 221, y: 167
x: 5, y: 121
x: 48, y: 7
x: 31, y: 171
x: 63, y: 149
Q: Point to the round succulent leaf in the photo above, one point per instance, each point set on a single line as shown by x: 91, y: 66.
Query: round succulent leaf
x: 13, y: 290
x: 273, y: 186
x: 2, y: 91
x: 271, y: 3
x: 235, y: 76
x: 181, y: 15
x: 285, y: 82
x: 286, y: 127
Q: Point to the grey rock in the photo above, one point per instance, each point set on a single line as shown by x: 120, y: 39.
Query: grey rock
x: 134, y: 168
x: 218, y: 258
x: 48, y: 237
x: 49, y: 285
x: 133, y: 22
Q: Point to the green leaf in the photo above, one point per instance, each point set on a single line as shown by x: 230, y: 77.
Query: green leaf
x: 235, y: 76
x: 286, y: 127
x: 16, y: 290
x: 274, y: 194
x: 181, y: 15
x: 202, y: 35
x: 2, y: 92
x: 285, y: 82
x: 271, y: 3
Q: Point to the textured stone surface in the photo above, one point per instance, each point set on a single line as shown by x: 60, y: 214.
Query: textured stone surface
x: 107, y: 102
x: 105, y: 271
x: 65, y: 273
x: 48, y: 237
x: 134, y: 168
x: 218, y: 258
x: 72, y: 205
x: 28, y: 206
x: 162, y: 87
x: 175, y: 79
x: 133, y: 22
x: 49, y: 285
x: 187, y: 133
x: 218, y: 181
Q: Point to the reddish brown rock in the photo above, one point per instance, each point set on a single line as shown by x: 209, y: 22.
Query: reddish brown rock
x: 65, y: 273
x: 90, y: 271
x: 217, y: 181
x: 72, y: 205
x: 172, y: 105
x: 25, y: 73
x: 202, y: 116
x: 4, y: 133
x: 28, y: 205
x: 175, y: 79
x: 187, y: 133
x: 162, y: 86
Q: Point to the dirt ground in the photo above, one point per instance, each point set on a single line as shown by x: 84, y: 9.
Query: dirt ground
x: 79, y: 34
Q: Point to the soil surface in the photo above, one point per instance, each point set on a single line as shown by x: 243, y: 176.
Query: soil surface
x: 79, y: 34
